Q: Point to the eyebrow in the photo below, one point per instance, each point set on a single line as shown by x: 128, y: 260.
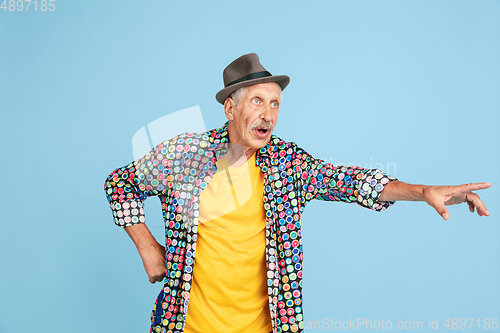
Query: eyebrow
x: 274, y: 99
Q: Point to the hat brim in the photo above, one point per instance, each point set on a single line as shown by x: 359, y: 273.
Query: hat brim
x: 282, y: 80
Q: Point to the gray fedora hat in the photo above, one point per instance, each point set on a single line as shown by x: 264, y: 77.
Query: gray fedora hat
x: 246, y: 71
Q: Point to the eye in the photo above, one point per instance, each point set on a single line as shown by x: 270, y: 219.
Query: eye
x: 255, y: 101
x: 274, y: 104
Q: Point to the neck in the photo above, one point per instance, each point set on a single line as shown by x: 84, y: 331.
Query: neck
x: 237, y: 151
x: 236, y: 157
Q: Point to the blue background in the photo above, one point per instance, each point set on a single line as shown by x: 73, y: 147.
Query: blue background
x: 411, y: 85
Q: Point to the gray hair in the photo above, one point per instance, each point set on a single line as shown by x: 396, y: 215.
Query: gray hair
x: 238, y: 94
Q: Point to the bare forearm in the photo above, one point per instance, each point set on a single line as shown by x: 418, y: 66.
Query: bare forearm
x: 142, y: 237
x: 151, y: 252
x: 399, y: 191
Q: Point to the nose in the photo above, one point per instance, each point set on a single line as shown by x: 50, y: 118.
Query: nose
x: 266, y: 113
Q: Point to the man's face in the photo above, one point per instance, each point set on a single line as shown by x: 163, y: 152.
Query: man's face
x: 252, y: 121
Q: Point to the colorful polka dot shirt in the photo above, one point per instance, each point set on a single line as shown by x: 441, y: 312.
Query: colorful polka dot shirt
x: 178, y: 170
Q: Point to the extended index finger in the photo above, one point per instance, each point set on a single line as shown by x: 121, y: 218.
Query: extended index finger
x: 475, y: 186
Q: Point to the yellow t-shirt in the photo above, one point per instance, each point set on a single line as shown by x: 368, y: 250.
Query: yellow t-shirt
x: 229, y: 290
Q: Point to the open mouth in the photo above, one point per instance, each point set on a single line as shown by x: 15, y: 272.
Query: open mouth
x: 262, y: 129
x: 261, y: 133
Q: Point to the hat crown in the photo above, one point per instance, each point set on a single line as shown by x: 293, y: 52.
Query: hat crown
x: 246, y: 71
x: 245, y: 65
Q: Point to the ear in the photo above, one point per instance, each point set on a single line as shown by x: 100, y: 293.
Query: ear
x: 229, y: 108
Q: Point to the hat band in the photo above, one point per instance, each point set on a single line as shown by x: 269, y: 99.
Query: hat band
x: 251, y: 76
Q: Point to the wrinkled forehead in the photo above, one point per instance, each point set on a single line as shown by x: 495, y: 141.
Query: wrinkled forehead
x: 269, y: 89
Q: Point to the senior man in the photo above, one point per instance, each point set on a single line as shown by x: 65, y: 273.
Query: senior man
x: 232, y: 198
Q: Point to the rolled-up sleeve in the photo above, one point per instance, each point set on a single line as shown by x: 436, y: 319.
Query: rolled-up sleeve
x: 324, y: 181
x: 127, y: 187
